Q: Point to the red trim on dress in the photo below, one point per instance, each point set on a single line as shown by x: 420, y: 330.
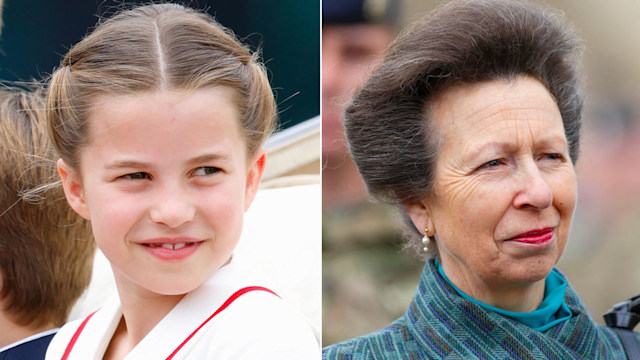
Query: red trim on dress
x: 226, y: 304
x: 75, y: 336
x: 231, y: 299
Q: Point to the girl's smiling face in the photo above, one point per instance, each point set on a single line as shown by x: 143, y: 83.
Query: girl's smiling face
x: 165, y: 180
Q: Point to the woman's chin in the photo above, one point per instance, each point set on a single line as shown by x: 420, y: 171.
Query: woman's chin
x: 529, y: 271
x: 529, y: 264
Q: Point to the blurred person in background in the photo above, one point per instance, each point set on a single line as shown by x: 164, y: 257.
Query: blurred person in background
x: 355, y: 35
x: 46, y: 250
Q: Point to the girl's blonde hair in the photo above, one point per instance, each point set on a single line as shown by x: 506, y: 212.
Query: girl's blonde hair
x: 151, y: 48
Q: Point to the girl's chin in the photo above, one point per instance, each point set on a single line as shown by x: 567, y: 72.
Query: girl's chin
x: 172, y: 290
x: 172, y: 286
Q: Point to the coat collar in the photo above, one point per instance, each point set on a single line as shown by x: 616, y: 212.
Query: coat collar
x: 442, y: 320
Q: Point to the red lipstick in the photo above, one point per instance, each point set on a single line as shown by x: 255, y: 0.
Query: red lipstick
x: 534, y: 237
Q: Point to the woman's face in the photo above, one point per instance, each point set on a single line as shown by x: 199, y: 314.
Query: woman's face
x: 165, y: 181
x: 505, y: 187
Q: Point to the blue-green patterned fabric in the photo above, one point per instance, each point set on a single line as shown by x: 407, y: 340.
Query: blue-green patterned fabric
x: 440, y: 324
x: 552, y: 311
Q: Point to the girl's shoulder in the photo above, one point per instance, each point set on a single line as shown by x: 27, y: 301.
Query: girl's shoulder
x: 262, y: 325
x: 245, y: 318
x: 87, y: 336
x: 60, y: 341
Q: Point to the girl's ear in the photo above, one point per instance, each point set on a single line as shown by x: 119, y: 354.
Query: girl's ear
x: 254, y: 175
x: 419, y: 214
x: 73, y: 189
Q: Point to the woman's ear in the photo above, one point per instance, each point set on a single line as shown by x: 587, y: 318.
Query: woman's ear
x: 420, y: 216
x: 254, y: 175
x: 73, y: 189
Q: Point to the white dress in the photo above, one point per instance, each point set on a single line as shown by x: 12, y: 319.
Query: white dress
x: 256, y: 325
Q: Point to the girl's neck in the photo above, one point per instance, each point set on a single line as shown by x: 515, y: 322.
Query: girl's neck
x: 142, y: 313
x: 142, y: 310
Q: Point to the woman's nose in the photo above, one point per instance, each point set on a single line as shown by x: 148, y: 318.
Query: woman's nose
x: 533, y: 190
x: 172, y: 207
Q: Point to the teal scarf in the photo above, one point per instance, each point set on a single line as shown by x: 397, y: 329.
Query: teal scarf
x: 441, y: 324
x: 552, y: 311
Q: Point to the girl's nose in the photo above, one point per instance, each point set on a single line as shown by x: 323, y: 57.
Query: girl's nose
x: 172, y: 207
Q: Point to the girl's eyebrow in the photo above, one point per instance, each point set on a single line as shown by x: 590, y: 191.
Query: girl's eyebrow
x: 120, y: 164
x: 209, y: 157
x: 135, y: 164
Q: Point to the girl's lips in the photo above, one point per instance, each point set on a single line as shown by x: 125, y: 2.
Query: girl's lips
x: 172, y: 250
x: 535, y: 237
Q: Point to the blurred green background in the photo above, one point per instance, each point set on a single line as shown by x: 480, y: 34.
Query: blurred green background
x: 37, y: 33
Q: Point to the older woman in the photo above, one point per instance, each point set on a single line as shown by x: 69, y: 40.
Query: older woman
x: 472, y: 125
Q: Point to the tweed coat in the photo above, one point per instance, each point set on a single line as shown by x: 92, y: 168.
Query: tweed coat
x: 440, y: 324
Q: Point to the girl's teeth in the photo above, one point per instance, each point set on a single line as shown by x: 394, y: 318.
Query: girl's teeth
x: 170, y: 246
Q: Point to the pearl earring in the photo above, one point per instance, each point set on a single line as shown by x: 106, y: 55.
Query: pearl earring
x: 426, y: 240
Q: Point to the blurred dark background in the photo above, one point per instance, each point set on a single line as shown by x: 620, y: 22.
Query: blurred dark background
x: 37, y: 33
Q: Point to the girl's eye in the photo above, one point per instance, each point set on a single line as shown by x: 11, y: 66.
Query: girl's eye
x: 136, y: 176
x: 205, y: 171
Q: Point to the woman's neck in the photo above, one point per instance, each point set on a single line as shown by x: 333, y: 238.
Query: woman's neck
x: 522, y: 298
x: 142, y: 310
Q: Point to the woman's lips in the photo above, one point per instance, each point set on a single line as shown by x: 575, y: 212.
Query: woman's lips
x: 535, y: 237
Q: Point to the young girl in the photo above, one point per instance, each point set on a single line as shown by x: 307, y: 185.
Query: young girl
x: 158, y: 116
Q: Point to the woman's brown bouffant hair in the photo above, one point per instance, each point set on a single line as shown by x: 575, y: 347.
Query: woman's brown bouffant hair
x: 151, y: 48
x: 46, y: 249
x: 391, y: 136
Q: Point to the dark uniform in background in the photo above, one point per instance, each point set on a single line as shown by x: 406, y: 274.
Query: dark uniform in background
x: 362, y: 241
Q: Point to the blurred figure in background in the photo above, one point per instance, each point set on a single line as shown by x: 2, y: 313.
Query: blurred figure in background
x: 46, y: 250
x: 355, y: 35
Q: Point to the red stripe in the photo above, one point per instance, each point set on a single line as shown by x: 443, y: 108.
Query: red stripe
x: 75, y: 336
x: 231, y: 299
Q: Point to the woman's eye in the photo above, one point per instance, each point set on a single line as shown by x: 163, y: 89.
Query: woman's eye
x: 205, y: 170
x: 553, y: 156
x: 136, y: 176
x: 492, y: 163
